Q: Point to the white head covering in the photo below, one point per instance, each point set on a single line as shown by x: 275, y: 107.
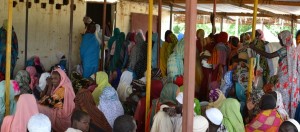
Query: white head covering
x: 179, y: 98
x: 162, y: 121
x: 73, y: 130
x: 124, y: 89
x: 43, y: 80
x: 280, y: 108
x: 295, y: 123
x: 214, y: 115
x: 200, y: 124
x: 59, y: 55
x: 39, y: 123
x: 110, y: 105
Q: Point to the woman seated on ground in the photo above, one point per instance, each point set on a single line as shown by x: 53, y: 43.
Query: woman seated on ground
x: 269, y: 119
x: 232, y: 118
x: 14, y: 93
x: 26, y: 107
x: 102, y: 82
x: 110, y: 105
x: 279, y: 105
x: 167, y: 97
x: 60, y: 104
x: 84, y: 101
x: 216, y: 98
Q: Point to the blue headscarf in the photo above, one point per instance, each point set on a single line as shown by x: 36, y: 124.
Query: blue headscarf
x: 228, y: 83
x: 180, y: 36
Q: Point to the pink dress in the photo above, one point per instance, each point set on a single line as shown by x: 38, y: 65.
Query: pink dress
x: 61, y: 118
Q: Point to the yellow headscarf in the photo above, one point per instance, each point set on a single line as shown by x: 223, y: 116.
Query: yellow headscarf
x: 102, y: 81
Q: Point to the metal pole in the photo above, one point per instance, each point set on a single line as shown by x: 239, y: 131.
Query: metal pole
x: 159, y: 30
x: 149, y: 58
x: 171, y: 16
x: 189, y: 65
x: 103, y: 33
x: 251, y: 70
x: 26, y: 33
x: 8, y: 56
x: 70, y: 36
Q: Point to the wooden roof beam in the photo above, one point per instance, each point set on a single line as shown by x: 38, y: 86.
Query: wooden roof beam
x: 261, y: 11
x: 225, y: 14
x: 269, y: 2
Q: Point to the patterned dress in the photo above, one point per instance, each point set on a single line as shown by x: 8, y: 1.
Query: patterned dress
x: 288, y: 84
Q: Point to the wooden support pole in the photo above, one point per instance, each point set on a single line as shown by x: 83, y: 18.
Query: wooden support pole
x: 292, y: 25
x: 222, y: 23
x: 189, y: 65
x: 26, y: 33
x: 102, y: 39
x: 71, y: 37
x: 8, y: 56
x: 171, y: 16
x: 149, y: 58
x: 159, y: 30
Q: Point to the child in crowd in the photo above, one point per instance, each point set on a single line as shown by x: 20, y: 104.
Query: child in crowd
x: 80, y: 122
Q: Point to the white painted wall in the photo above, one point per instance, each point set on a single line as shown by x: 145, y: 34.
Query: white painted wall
x: 48, y: 30
x: 125, y: 8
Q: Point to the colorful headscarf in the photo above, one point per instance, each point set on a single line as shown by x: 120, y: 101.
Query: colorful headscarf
x: 84, y: 101
x: 14, y: 90
x: 222, y: 37
x: 232, y: 118
x: 32, y: 72
x: 261, y: 34
x: 110, y: 105
x: 280, y: 108
x: 23, y: 79
x: 102, y: 82
x: 175, y: 61
x: 156, y: 88
x: 26, y: 107
x: 43, y: 81
x: 156, y: 73
x: 217, y: 98
x: 228, y: 83
x: 168, y: 94
x: 268, y: 120
x: 124, y: 89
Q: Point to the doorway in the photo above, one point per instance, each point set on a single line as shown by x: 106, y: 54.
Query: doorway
x: 95, y: 12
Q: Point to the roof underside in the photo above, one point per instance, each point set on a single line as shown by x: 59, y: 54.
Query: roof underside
x: 283, y: 9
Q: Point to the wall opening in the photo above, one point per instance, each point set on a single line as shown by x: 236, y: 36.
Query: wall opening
x: 74, y: 7
x: 95, y: 11
x: 43, y: 5
x: 58, y: 6
x: 36, y: 1
x: 65, y: 2
x: 51, y: 1
x: 15, y: 3
x: 29, y: 4
x: 21, y: 0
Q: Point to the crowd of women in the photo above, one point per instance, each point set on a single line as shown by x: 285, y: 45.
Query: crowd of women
x: 114, y: 99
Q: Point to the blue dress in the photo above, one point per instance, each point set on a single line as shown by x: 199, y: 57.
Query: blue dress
x: 89, y: 53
